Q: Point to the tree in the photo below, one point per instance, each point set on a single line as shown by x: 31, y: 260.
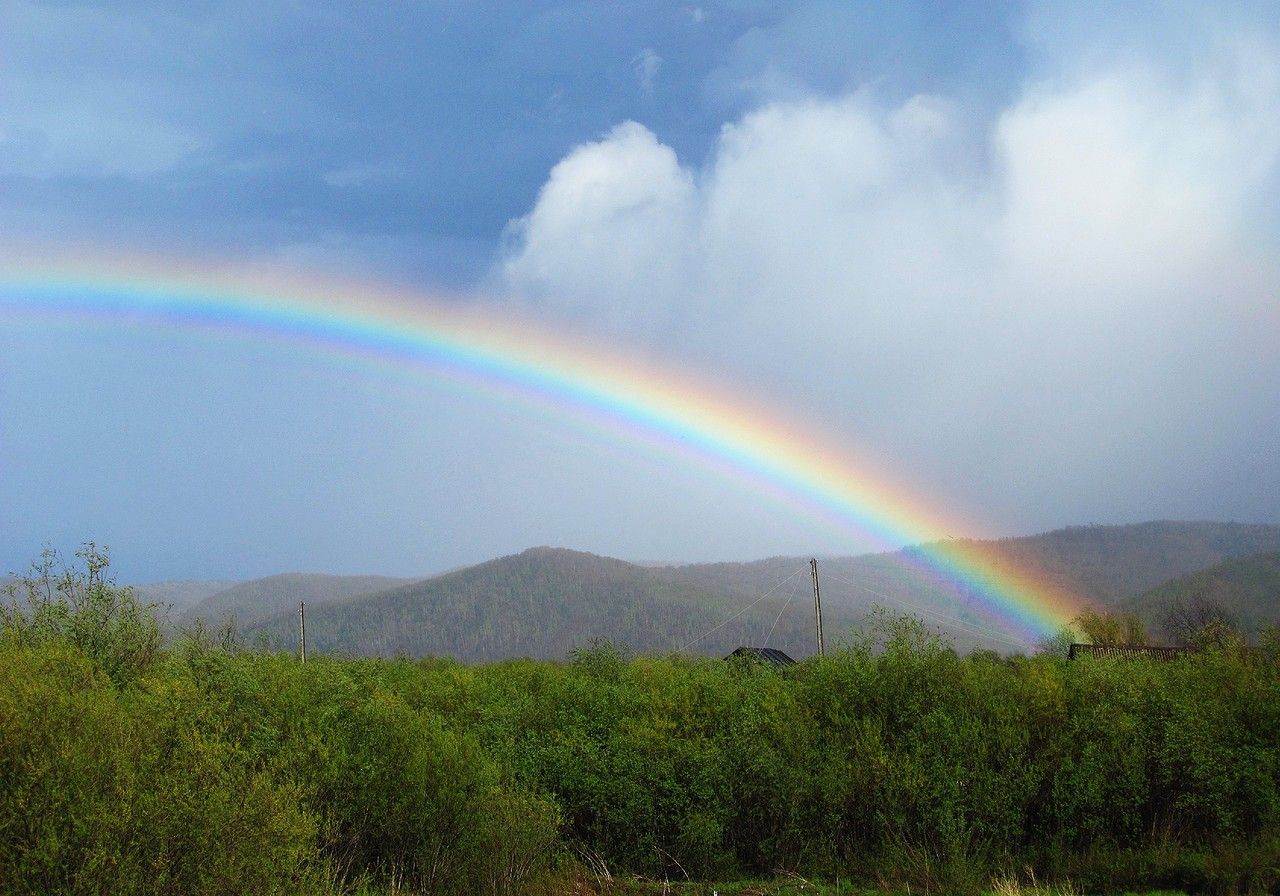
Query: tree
x: 1199, y: 621
x: 1058, y: 644
x: 1269, y: 641
x: 82, y: 605
x: 1110, y: 629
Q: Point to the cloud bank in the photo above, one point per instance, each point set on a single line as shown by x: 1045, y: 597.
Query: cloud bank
x: 1056, y: 312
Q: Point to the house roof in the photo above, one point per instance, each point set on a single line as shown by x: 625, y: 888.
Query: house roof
x: 1127, y: 651
x: 770, y: 655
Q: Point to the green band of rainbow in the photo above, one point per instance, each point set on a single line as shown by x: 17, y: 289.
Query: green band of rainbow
x: 497, y: 352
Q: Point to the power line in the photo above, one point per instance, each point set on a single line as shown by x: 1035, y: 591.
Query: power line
x: 743, y: 610
x: 794, y: 591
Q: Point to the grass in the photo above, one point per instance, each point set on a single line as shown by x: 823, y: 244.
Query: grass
x: 796, y: 886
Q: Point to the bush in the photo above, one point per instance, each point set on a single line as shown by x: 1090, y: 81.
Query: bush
x: 120, y: 793
x: 402, y: 796
x: 83, y: 607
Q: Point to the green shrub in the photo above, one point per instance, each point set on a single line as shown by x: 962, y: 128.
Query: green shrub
x: 55, y: 602
x: 120, y: 793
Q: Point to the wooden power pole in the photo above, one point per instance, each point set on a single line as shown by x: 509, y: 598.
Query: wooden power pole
x: 302, y: 631
x: 817, y: 604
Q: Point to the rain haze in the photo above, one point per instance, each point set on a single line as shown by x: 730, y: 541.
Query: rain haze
x: 1022, y: 258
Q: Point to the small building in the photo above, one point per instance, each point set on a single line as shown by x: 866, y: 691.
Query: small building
x: 1127, y: 652
x: 770, y: 655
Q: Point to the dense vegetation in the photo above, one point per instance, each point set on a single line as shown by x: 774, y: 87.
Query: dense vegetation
x: 203, y: 768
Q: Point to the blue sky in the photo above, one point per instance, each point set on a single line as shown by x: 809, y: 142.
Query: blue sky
x: 1021, y: 252
x: 405, y: 136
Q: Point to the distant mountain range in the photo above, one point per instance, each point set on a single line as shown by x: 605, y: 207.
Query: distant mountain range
x: 176, y: 597
x: 545, y: 602
x: 1110, y: 563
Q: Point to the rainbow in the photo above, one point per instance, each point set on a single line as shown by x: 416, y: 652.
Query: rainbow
x: 472, y: 344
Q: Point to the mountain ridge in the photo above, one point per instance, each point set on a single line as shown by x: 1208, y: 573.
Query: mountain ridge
x: 564, y: 599
x: 545, y: 601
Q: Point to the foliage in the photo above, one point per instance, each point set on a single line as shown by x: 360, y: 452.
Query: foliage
x: 894, y: 762
x: 1011, y: 885
x: 1111, y: 628
x: 1058, y: 644
x: 1198, y: 621
x: 83, y: 607
x: 1235, y: 596
x: 123, y: 792
x: 1269, y: 642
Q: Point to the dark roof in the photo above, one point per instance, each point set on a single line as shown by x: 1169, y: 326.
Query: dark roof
x: 770, y: 655
x: 1127, y: 651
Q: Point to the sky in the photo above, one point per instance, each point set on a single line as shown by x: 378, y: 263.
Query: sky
x: 1021, y: 257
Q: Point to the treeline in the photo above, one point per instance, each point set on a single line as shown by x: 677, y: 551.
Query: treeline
x: 202, y: 768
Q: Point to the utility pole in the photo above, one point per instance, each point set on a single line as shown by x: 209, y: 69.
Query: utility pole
x: 302, y: 631
x: 817, y: 604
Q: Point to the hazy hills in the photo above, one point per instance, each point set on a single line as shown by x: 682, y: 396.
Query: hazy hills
x: 1103, y: 564
x: 545, y: 602
x: 176, y: 597
x: 1111, y: 563
x: 250, y: 602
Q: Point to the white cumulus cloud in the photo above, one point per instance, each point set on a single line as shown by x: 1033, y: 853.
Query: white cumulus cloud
x: 983, y: 300
x: 611, y: 236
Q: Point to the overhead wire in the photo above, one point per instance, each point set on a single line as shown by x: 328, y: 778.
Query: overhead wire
x: 795, y: 588
x: 768, y: 593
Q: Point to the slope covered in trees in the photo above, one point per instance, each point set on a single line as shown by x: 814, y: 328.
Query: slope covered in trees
x: 1245, y: 589
x: 1111, y: 563
x: 248, y: 602
x: 546, y: 602
x: 1102, y: 564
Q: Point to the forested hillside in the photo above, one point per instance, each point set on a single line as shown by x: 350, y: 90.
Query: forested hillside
x: 1104, y: 564
x: 545, y: 602
x: 1111, y: 563
x: 1246, y: 589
